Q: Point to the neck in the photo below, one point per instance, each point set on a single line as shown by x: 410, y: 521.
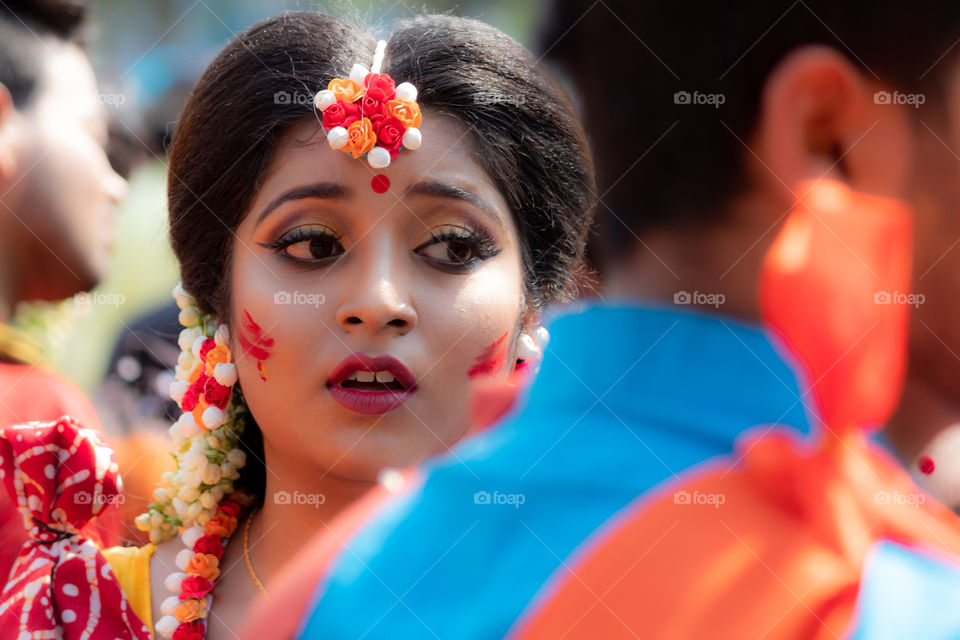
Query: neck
x: 719, y: 268
x: 294, y: 510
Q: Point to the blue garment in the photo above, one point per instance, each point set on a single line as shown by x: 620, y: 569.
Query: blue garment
x: 626, y: 398
x: 906, y: 593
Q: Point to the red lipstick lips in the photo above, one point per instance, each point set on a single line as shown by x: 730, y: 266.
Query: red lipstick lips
x: 371, y: 385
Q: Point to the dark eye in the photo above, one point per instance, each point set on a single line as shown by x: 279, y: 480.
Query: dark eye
x: 454, y: 250
x: 458, y: 249
x: 309, y: 244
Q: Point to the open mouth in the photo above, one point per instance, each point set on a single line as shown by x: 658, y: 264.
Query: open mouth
x: 371, y: 385
x: 373, y: 381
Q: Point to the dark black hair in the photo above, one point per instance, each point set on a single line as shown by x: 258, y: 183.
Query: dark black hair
x: 24, y: 26
x: 664, y: 162
x: 529, y: 139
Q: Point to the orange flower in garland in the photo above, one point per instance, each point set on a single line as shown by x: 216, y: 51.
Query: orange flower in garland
x: 203, y: 565
x: 195, y: 374
x: 198, y: 411
x: 355, y: 110
x: 190, y: 610
x: 221, y: 524
x: 220, y: 353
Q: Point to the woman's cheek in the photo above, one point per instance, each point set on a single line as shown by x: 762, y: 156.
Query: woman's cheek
x: 492, y: 358
x: 255, y: 343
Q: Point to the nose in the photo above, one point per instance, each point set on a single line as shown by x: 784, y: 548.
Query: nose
x: 378, y: 300
x: 115, y: 186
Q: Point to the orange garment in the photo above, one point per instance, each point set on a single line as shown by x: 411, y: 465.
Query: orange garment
x: 143, y: 456
x: 777, y: 553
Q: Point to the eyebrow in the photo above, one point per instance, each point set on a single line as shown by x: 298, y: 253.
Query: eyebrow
x: 452, y: 192
x: 332, y: 190
x: 323, y: 190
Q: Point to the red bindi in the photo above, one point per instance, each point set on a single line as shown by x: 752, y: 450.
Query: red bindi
x: 492, y: 358
x: 925, y: 463
x: 380, y: 183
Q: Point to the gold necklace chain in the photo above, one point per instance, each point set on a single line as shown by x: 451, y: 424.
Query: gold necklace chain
x: 246, y: 554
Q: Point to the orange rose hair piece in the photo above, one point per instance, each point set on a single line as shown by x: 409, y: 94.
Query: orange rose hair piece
x: 369, y: 115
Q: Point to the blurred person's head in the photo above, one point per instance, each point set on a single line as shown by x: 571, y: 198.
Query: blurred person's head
x: 57, y: 188
x: 705, y: 117
x: 286, y: 240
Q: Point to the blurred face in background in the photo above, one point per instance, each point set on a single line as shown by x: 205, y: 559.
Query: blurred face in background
x: 60, y: 188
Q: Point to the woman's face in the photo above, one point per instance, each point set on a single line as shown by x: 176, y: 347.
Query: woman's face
x: 358, y: 317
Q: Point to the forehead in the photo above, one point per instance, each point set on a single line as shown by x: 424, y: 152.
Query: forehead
x: 68, y: 79
x: 449, y: 153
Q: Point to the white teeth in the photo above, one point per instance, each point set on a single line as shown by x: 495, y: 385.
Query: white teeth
x: 372, y: 376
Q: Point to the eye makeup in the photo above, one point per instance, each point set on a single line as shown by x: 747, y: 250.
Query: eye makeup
x: 308, y: 243
x: 458, y: 248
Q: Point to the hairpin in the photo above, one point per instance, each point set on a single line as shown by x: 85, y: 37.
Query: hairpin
x: 368, y: 115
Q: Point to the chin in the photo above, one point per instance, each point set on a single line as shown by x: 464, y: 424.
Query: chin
x: 79, y: 276
x: 68, y: 287
x: 364, y: 464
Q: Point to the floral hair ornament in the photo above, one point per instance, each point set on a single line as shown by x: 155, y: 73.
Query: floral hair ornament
x: 368, y: 115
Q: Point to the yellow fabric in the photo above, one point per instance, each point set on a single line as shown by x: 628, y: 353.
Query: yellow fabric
x: 131, y: 565
x: 18, y: 346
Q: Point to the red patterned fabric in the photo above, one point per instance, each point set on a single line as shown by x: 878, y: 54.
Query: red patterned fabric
x: 61, y: 476
x: 35, y: 393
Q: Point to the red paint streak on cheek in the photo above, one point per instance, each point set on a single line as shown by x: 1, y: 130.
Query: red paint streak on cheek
x: 255, y: 343
x: 492, y: 358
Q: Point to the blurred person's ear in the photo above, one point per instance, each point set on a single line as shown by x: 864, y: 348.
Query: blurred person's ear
x: 8, y: 159
x: 822, y: 116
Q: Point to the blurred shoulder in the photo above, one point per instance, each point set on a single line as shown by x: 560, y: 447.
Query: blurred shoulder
x: 37, y: 393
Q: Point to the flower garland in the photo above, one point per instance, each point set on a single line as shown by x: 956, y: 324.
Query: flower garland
x: 185, y: 613
x: 368, y: 115
x: 191, y: 499
x: 206, y: 436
